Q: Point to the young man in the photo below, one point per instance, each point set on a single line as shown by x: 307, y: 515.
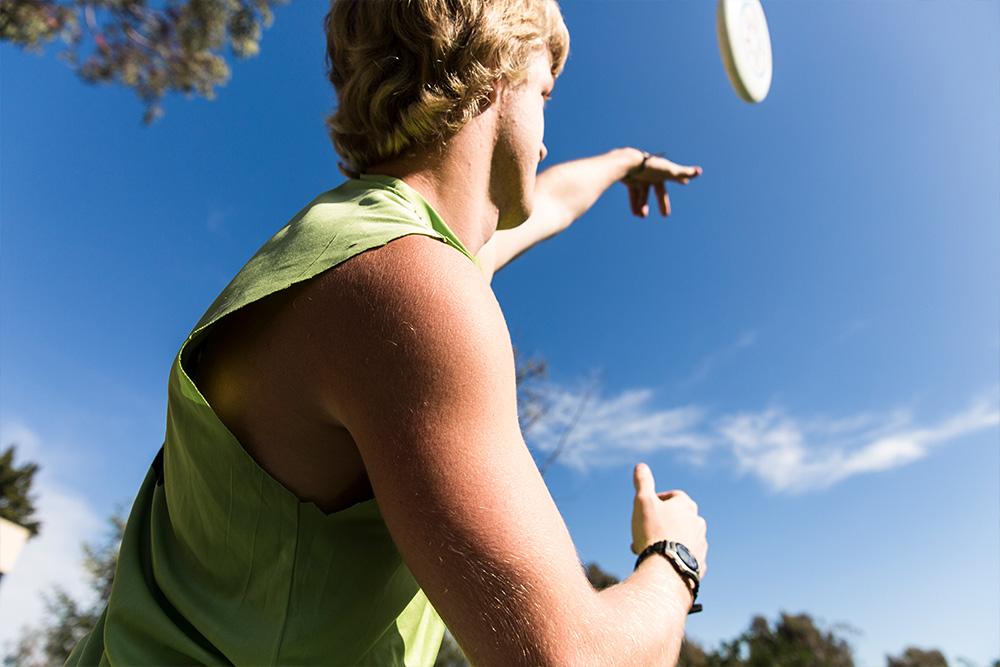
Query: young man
x: 343, y: 466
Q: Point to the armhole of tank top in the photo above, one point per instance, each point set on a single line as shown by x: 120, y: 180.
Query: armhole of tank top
x: 191, y: 347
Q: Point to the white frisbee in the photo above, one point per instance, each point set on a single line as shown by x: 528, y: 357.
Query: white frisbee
x: 12, y: 538
x: 745, y: 44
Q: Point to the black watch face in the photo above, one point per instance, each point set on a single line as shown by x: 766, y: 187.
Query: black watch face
x: 686, y: 556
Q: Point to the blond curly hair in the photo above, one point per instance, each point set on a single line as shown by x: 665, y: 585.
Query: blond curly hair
x: 411, y: 73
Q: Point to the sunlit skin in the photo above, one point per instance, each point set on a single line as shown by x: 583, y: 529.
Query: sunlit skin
x: 391, y: 376
x: 498, y: 208
x: 473, y: 197
x: 506, y: 201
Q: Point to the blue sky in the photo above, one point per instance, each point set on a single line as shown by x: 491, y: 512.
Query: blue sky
x: 809, y: 345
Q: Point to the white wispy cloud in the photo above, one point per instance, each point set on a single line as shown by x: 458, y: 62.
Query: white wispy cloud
x: 606, y: 431
x: 792, y: 455
x: 788, y: 454
x: 54, y: 557
x: 710, y: 362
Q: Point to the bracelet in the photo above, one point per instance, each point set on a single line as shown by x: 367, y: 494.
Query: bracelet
x: 634, y: 171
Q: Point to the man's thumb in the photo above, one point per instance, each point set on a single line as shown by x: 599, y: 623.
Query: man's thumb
x: 643, y: 479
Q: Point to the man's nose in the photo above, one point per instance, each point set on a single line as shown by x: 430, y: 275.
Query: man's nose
x: 542, y: 153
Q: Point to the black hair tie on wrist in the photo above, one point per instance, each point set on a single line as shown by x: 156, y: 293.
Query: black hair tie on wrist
x: 634, y: 171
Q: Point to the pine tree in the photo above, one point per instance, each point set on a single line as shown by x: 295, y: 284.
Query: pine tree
x: 16, y: 501
x: 67, y: 618
x: 915, y: 657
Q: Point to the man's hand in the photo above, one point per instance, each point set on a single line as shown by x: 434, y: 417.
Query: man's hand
x: 656, y: 171
x: 567, y: 190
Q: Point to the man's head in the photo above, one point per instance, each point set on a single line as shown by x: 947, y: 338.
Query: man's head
x: 411, y: 73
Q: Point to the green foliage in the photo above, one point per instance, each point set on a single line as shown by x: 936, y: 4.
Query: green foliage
x: 177, y: 47
x: 16, y: 501
x: 915, y: 657
x: 101, y: 559
x: 68, y: 619
x: 532, y: 404
x: 795, y: 641
x: 693, y: 655
x: 598, y: 578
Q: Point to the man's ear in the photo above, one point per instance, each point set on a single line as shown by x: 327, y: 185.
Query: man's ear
x: 496, y: 91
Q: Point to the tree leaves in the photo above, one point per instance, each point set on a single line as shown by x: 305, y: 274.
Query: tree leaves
x: 16, y: 502
x: 68, y: 619
x: 177, y: 47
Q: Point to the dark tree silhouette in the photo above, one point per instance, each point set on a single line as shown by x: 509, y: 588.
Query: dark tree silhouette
x: 69, y: 619
x: 532, y: 404
x: 915, y: 657
x: 693, y: 655
x: 795, y: 641
x: 16, y: 502
x: 598, y: 578
x: 176, y: 47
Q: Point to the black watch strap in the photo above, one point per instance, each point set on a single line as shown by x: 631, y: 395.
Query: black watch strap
x: 661, y: 549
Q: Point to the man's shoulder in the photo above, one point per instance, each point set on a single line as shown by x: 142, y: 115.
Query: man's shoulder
x: 410, y: 312
x: 411, y: 281
x: 411, y: 265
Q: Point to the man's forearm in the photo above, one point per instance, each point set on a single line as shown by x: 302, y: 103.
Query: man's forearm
x: 573, y: 187
x: 563, y: 193
x: 641, y: 620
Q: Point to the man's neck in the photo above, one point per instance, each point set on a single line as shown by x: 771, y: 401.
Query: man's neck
x: 455, y: 181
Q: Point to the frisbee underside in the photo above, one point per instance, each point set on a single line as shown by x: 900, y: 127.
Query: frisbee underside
x: 12, y: 538
x: 745, y: 44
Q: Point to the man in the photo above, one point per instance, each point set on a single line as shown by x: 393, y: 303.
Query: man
x: 343, y: 466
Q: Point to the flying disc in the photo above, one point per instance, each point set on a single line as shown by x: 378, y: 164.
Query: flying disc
x: 12, y: 538
x: 745, y: 44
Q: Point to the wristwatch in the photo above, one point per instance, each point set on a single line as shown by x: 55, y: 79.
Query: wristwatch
x: 682, y: 560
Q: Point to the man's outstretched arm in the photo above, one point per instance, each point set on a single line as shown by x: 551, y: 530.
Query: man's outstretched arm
x: 566, y: 191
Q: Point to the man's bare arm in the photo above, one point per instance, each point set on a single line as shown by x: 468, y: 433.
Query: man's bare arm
x: 420, y: 370
x: 563, y: 193
x: 566, y: 191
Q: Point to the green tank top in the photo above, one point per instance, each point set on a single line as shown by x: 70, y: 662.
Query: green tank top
x: 220, y: 563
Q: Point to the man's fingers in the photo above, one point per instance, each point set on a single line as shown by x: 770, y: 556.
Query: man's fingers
x: 662, y: 200
x: 672, y: 170
x: 638, y: 192
x: 660, y: 190
x: 677, y: 493
x: 685, y: 174
x: 642, y: 477
x: 633, y: 193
